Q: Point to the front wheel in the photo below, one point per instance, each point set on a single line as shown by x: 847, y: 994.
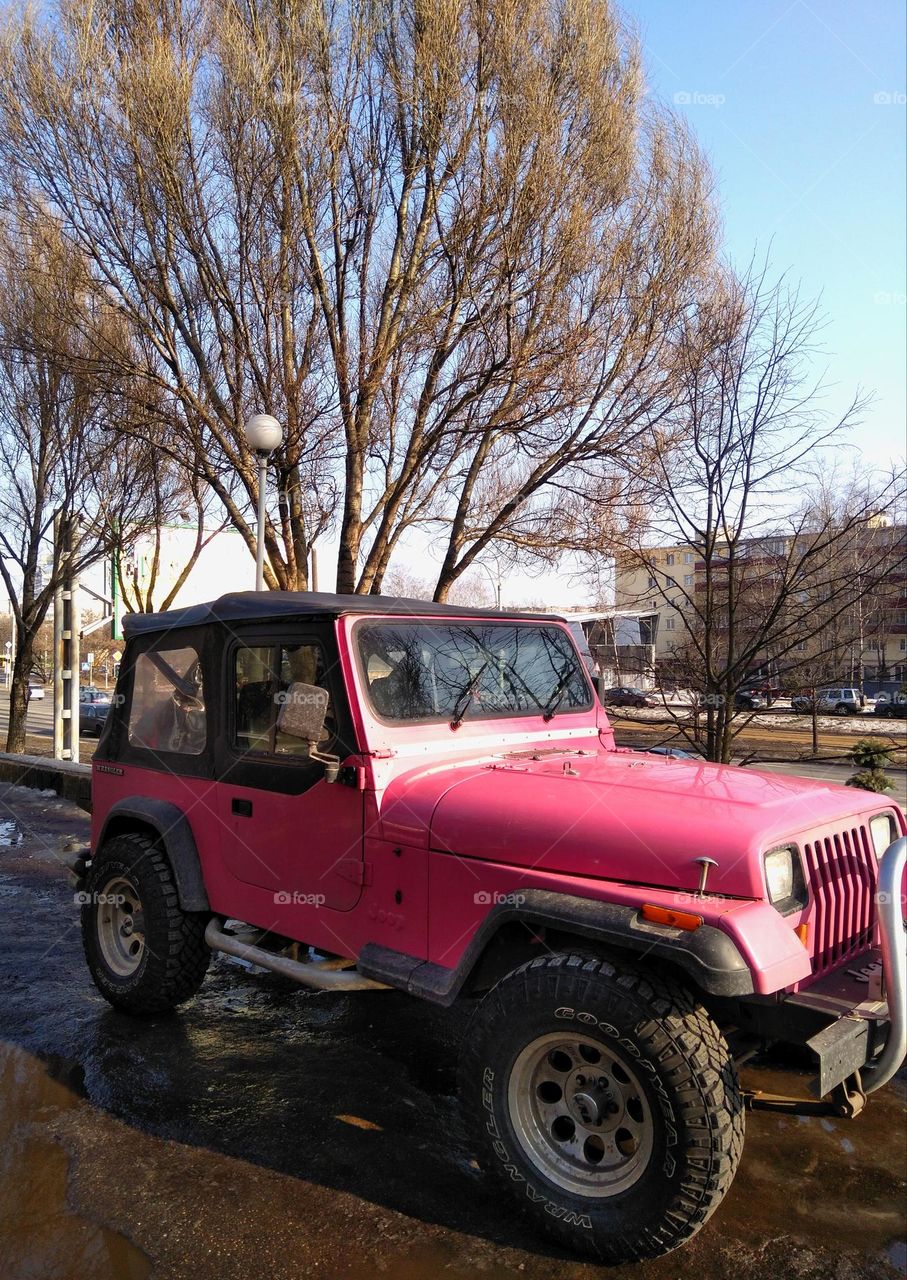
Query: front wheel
x: 607, y: 1100
x: 146, y: 955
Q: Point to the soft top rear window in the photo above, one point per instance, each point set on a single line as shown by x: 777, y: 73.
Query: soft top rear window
x: 424, y: 671
x: 168, y: 704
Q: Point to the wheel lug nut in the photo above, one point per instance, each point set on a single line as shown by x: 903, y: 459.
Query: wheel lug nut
x: 613, y: 1108
x: 580, y: 1080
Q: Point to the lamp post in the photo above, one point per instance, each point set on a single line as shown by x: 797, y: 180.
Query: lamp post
x: 495, y: 581
x: 264, y: 434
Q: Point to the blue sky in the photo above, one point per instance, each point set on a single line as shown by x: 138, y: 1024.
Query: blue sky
x: 801, y: 108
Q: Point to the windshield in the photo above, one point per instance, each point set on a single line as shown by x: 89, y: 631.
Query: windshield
x: 468, y: 671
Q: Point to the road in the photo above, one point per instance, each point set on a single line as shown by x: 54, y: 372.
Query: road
x: 265, y: 1131
x: 839, y: 773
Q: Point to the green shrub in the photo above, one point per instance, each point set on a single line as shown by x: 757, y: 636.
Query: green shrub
x: 870, y: 754
x: 871, y: 780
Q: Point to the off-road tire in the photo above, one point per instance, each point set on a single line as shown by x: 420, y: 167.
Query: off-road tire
x: 174, y: 957
x: 666, y: 1039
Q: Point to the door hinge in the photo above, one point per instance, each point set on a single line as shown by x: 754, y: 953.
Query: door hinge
x: 355, y: 870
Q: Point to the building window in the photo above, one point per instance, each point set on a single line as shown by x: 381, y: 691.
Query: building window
x: 687, y: 579
x: 801, y: 647
x: 670, y: 559
x: 903, y: 644
x: 652, y: 583
x: 688, y: 557
x: 669, y: 582
x: 669, y: 624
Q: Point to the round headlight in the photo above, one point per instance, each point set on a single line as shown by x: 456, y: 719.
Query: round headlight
x: 883, y: 830
x: 779, y: 874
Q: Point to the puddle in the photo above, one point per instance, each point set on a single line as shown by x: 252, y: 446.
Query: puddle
x: 897, y: 1255
x: 11, y: 833
x: 42, y: 1236
x: 857, y: 1165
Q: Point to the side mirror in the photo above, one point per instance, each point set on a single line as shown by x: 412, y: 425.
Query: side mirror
x: 303, y: 710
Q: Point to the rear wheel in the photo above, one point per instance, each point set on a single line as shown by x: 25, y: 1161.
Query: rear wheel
x: 607, y: 1101
x: 146, y: 955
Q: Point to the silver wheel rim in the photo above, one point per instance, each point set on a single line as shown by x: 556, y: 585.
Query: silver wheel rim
x: 121, y: 926
x: 580, y: 1115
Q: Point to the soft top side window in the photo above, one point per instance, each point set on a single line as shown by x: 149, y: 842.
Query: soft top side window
x: 278, y: 689
x: 167, y: 713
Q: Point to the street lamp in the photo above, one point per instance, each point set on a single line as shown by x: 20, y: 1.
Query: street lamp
x: 495, y: 580
x: 264, y: 434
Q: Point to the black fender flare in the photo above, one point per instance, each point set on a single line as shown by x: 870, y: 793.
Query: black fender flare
x: 175, y: 834
x: 708, y: 957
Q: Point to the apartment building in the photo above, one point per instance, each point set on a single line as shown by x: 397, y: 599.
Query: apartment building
x: 863, y: 641
x: 662, y: 587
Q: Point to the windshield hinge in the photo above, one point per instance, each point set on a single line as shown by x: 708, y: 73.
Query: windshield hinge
x: 382, y: 753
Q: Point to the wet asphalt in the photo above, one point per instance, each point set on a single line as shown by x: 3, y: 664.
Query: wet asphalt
x: 267, y: 1132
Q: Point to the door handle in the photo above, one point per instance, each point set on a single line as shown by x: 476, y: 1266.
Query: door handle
x: 242, y: 807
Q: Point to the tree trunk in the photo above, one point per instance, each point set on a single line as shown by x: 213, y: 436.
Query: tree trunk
x: 18, y: 694
x: 350, y: 529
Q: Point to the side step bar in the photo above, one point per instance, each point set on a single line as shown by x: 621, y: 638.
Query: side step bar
x: 322, y: 975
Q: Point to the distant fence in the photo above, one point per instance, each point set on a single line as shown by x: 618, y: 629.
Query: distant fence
x: 69, y: 780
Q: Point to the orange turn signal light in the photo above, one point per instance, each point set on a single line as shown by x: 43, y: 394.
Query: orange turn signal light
x: 802, y: 932
x: 676, y: 919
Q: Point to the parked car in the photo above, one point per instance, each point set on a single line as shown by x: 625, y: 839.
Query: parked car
x: 676, y: 753
x: 359, y: 793
x: 88, y: 693
x: 894, y: 708
x: 92, y: 718
x: 627, y: 696
x: 836, y: 701
x: 748, y: 700
x: 35, y: 691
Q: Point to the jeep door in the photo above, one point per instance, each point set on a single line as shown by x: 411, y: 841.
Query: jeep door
x: 286, y: 828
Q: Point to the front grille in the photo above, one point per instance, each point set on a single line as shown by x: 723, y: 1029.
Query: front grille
x: 842, y: 873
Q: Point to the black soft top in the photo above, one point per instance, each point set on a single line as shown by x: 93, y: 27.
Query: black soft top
x: 262, y: 606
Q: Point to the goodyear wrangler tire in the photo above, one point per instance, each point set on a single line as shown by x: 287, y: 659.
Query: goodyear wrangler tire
x: 607, y: 1101
x: 146, y: 955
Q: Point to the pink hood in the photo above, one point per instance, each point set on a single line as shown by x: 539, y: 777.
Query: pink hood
x: 618, y: 815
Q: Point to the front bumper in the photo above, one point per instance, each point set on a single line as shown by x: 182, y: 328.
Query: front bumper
x: 866, y: 999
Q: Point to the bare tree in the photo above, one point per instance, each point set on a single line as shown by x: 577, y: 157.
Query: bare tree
x: 54, y: 452
x: 175, y: 498
x: 448, y: 246
x: 770, y: 587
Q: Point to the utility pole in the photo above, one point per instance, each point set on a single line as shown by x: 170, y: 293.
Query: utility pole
x: 67, y: 626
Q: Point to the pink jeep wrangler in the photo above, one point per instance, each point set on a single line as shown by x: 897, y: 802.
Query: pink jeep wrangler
x: 364, y: 793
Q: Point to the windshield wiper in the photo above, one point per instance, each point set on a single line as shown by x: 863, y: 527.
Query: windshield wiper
x: 464, y: 697
x: 550, y: 708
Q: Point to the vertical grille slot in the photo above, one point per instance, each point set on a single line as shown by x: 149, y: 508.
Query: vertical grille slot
x: 842, y: 876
